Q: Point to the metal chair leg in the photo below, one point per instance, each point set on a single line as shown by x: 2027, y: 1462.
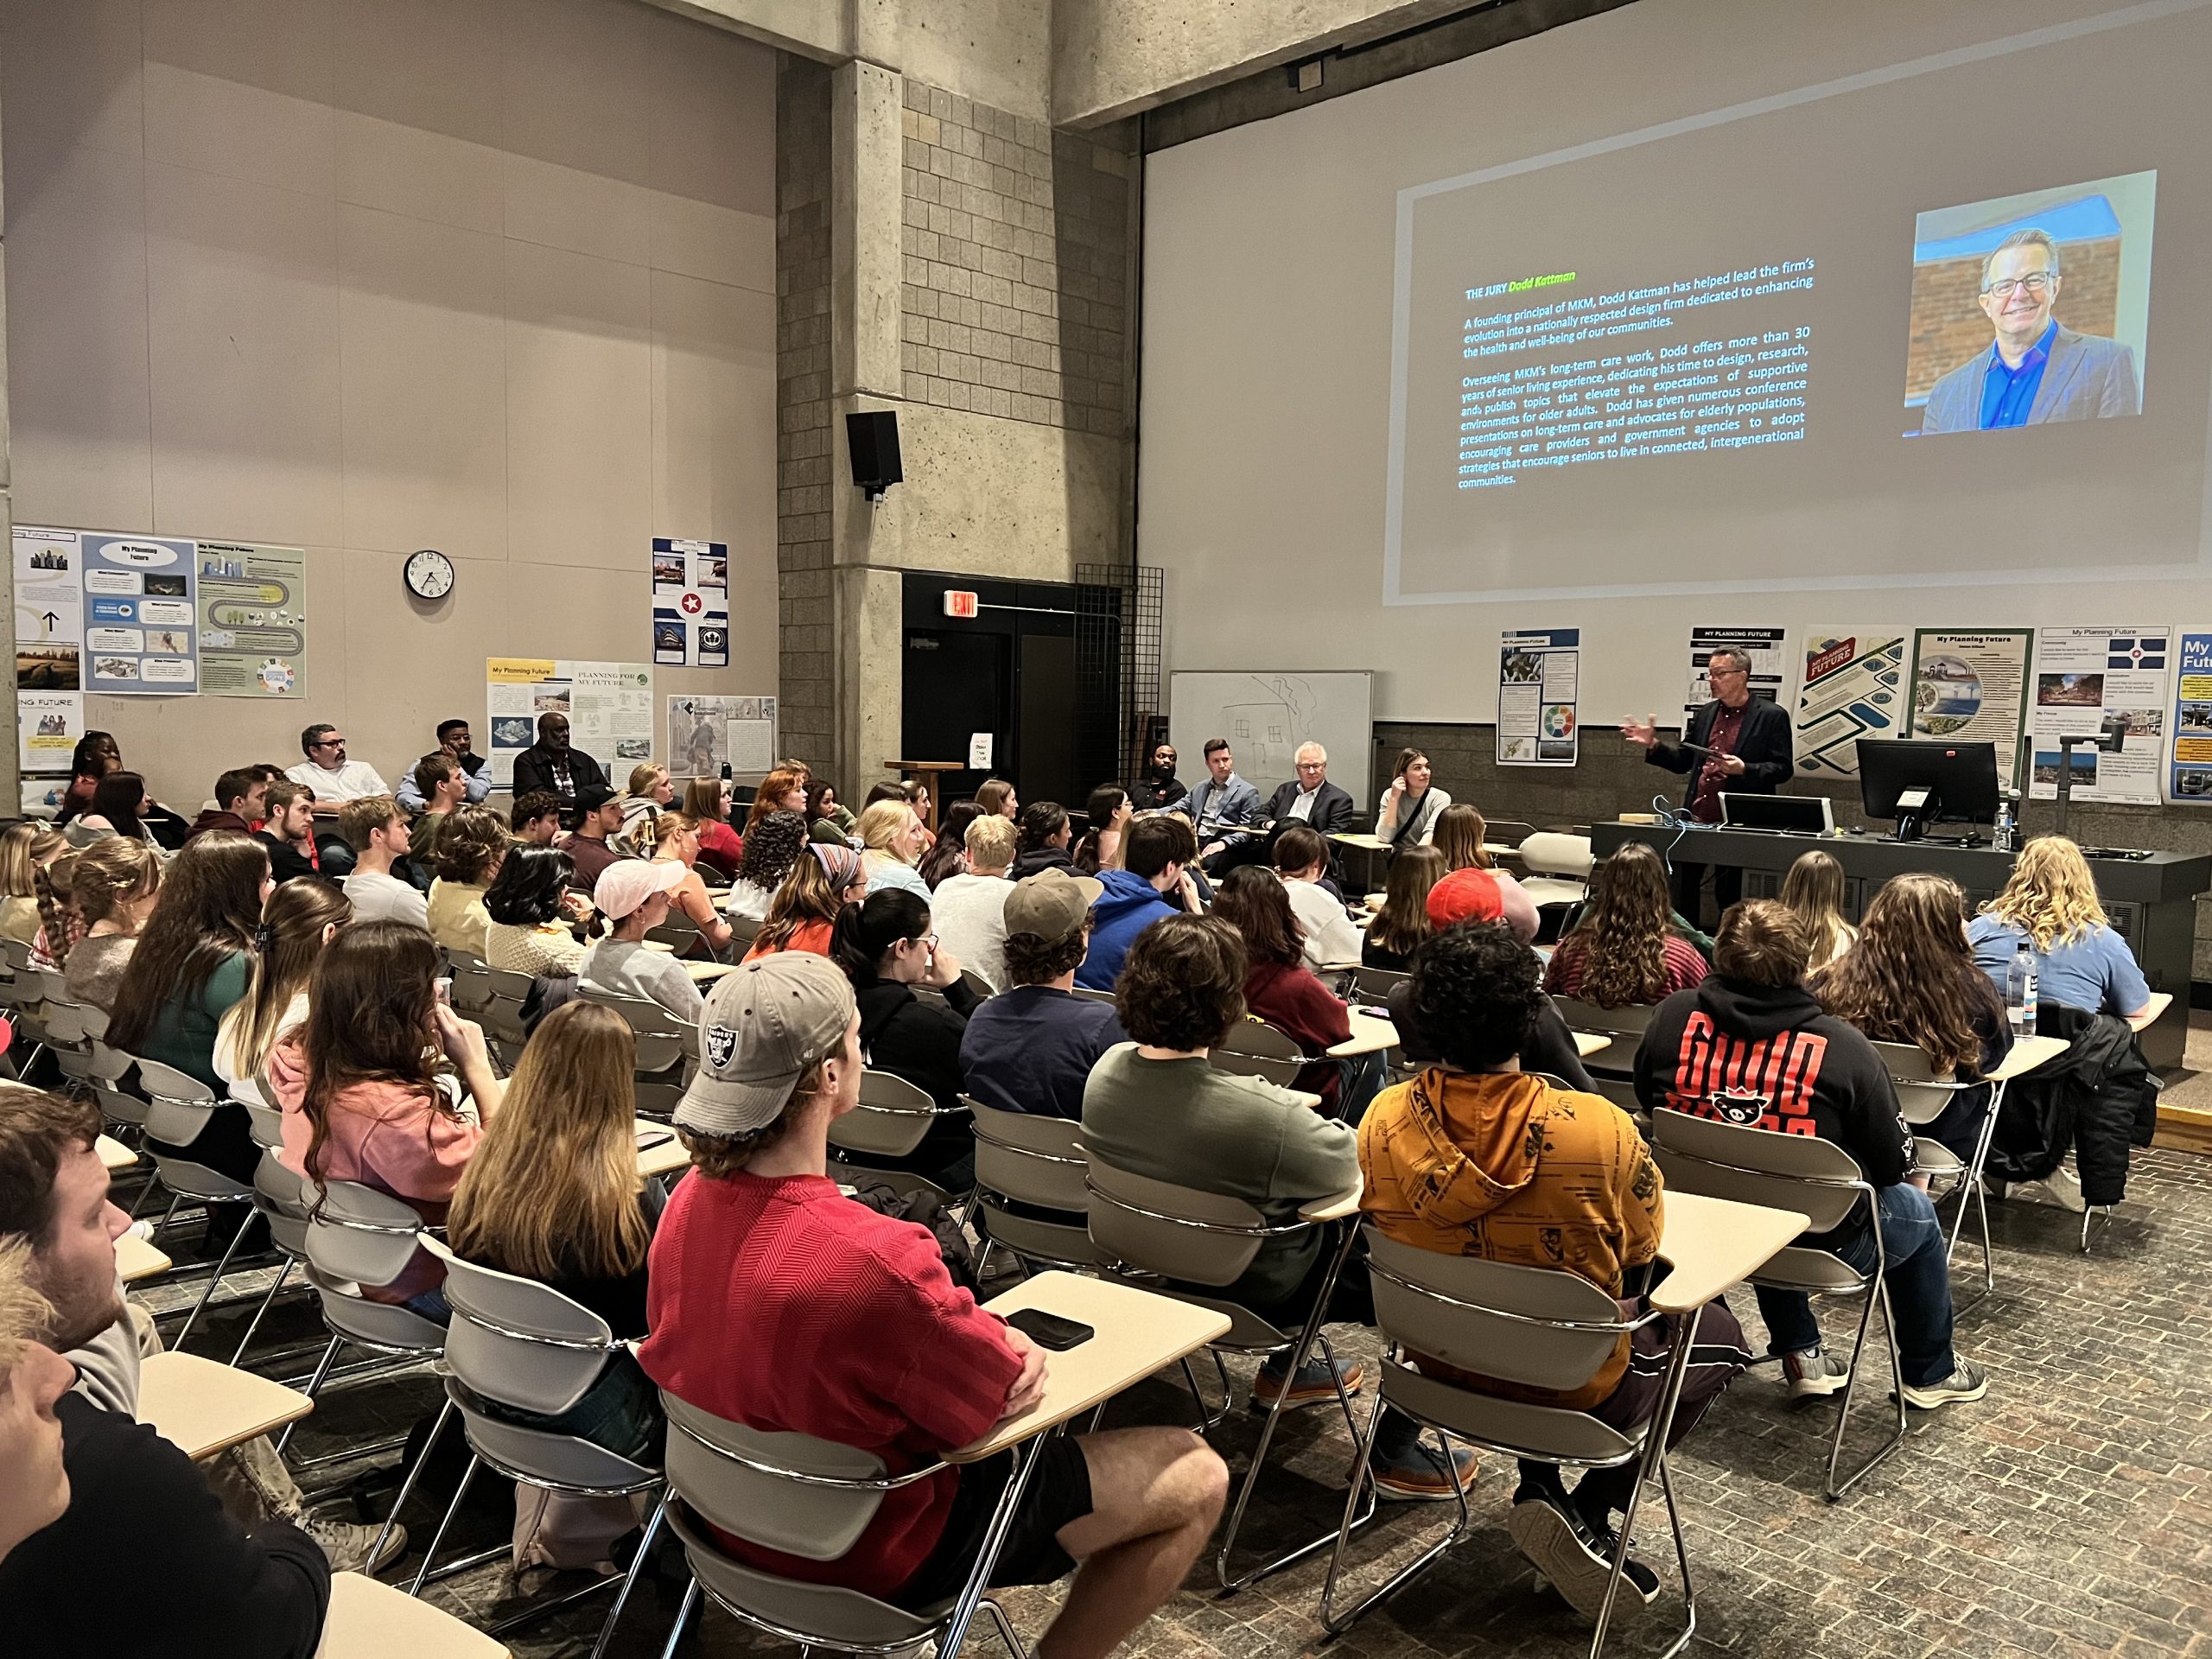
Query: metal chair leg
x: 682, y: 1616
x: 407, y: 1485
x: 438, y: 1537
x: 630, y: 1579
x: 1363, y: 1444
x: 254, y: 1325
x: 1007, y: 1634
x: 1655, y: 1435
x: 1836, y: 1489
x: 314, y: 1382
x: 214, y: 1279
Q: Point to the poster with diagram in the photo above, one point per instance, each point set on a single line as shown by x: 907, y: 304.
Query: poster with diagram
x: 1853, y: 688
x: 142, y: 622
x: 1537, y: 672
x: 1970, y: 686
x: 609, y: 706
x: 253, y: 620
x: 50, y: 635
x: 708, y: 733
x: 2083, y: 677
x: 691, y: 603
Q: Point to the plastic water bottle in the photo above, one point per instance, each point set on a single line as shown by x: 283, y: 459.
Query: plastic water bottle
x: 2020, y: 992
x: 2001, y: 838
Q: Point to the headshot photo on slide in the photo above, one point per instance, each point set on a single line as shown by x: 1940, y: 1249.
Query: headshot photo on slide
x: 2031, y: 309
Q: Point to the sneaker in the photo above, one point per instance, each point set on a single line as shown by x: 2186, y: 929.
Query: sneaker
x: 1969, y: 1381
x: 1313, y: 1384
x: 1420, y: 1476
x: 348, y: 1545
x: 1635, y: 1575
x: 1814, y: 1374
x: 2065, y: 1189
x: 1568, y: 1554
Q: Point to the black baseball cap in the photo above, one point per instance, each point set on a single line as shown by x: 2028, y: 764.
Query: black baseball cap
x: 592, y: 798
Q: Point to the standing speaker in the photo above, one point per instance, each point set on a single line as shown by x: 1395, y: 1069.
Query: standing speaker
x: 872, y: 436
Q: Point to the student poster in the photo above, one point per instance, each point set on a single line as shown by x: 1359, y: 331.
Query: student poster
x: 705, y: 733
x: 1768, y: 648
x: 609, y: 706
x: 1537, y: 672
x: 2189, y: 775
x: 1853, y: 688
x: 691, y: 603
x: 142, y: 623
x: 1971, y: 686
x: 2085, y: 676
x: 253, y: 620
x: 49, y: 636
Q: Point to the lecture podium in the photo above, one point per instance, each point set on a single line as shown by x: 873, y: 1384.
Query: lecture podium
x: 2153, y: 901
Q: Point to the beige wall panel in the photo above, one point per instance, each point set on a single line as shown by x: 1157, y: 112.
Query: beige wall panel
x: 708, y: 112
x: 423, y: 357
x: 578, y: 400
x: 576, y: 209
x: 398, y: 168
x: 398, y: 692
x: 576, y: 85
x: 243, y: 341
x: 431, y: 65
x: 76, y: 336
x: 73, y: 74
x: 721, y: 244
x: 713, y: 395
x: 243, y: 88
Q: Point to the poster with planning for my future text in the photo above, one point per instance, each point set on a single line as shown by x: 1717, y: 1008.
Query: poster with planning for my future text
x: 142, y: 621
x: 1537, y: 672
x: 2084, y: 677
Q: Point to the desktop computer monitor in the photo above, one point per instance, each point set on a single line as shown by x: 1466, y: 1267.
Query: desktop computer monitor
x: 1919, y: 782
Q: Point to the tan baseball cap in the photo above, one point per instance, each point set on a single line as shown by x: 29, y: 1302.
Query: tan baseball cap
x: 762, y: 1027
x: 1050, y: 904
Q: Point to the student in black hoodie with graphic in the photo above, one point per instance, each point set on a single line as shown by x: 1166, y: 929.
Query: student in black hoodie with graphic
x: 1751, y: 1045
x: 887, y: 947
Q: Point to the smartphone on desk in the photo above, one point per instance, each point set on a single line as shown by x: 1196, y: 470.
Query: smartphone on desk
x: 1049, y: 1331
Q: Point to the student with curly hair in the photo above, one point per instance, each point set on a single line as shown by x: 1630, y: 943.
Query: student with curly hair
x: 1624, y: 953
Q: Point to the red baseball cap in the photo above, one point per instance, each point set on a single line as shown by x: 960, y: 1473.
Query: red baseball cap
x: 1468, y: 895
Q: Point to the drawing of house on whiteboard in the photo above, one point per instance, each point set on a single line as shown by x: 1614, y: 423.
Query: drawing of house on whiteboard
x: 1267, y: 722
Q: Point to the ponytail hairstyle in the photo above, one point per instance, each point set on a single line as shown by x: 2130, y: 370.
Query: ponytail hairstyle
x: 1105, y: 801
x: 209, y: 910
x: 1040, y: 824
x: 286, y: 947
x: 58, y: 924
x: 865, y: 932
x: 112, y: 872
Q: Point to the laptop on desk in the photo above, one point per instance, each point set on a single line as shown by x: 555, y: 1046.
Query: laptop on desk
x: 1804, y: 815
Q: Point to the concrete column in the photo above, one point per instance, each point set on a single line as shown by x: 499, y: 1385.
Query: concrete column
x: 12, y: 782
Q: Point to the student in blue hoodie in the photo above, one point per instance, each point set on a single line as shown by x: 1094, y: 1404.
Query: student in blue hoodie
x: 1154, y: 881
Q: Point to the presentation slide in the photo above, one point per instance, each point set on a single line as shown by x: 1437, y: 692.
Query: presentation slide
x: 1714, y: 317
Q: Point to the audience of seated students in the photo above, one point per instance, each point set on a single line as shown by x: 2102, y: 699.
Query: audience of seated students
x: 377, y: 832
x: 1911, y: 978
x: 777, y: 842
x: 241, y: 804
x: 1814, y: 888
x: 298, y: 921
x: 759, y: 1258
x: 891, y: 844
x: 706, y: 802
x: 288, y: 833
x: 189, y: 968
x: 1622, y: 952
x: 823, y: 806
x: 676, y: 841
x: 471, y: 849
x: 947, y: 856
x: 25, y: 847
x: 196, y: 1581
x: 552, y: 1193
x: 1279, y: 988
x: 825, y: 879
x: 1474, y: 1157
x: 1154, y: 881
x: 557, y: 767
x: 1042, y: 838
x: 444, y: 789
x: 1224, y: 811
x: 1402, y: 923
x: 95, y: 756
x: 1407, y: 814
x: 476, y: 771
x: 118, y: 801
x: 1301, y: 861
x: 590, y: 846
x: 994, y: 798
x: 1030, y: 1047
x: 534, y: 819
x: 969, y: 905
x: 527, y: 915
x: 114, y: 885
x: 1156, y: 1106
x: 650, y: 793
x: 2052, y: 903
x: 1109, y: 812
x: 633, y: 899
x: 1752, y: 1047
x: 363, y: 1098
x: 329, y: 773
x: 34, y: 1486
x: 1159, y: 789
x: 784, y: 790
x: 885, y: 946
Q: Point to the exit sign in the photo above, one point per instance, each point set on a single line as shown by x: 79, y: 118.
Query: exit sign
x: 960, y: 604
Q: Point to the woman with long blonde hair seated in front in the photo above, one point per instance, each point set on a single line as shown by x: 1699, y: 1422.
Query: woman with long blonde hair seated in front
x: 676, y: 840
x: 552, y: 1193
x: 1814, y: 888
x: 1460, y: 830
x: 891, y: 836
x: 2052, y: 903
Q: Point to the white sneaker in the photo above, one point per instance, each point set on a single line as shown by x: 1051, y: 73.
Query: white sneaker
x: 2065, y: 1189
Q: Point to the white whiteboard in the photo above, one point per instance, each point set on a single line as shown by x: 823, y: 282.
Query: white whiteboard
x: 1266, y: 715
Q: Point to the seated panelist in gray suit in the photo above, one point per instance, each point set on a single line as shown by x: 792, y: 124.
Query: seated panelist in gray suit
x: 2038, y: 369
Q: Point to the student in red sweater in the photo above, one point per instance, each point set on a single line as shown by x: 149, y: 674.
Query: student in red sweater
x: 1281, y: 990
x: 779, y: 1303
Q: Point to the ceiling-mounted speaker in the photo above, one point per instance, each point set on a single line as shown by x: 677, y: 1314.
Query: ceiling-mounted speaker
x: 872, y: 436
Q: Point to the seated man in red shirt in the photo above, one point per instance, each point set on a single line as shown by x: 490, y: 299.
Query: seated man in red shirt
x: 779, y: 1303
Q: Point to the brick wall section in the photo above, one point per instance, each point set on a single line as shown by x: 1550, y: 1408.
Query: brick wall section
x: 1017, y: 264
x: 804, y: 454
x: 1948, y: 326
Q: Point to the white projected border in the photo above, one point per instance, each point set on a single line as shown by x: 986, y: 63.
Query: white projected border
x: 1402, y: 344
